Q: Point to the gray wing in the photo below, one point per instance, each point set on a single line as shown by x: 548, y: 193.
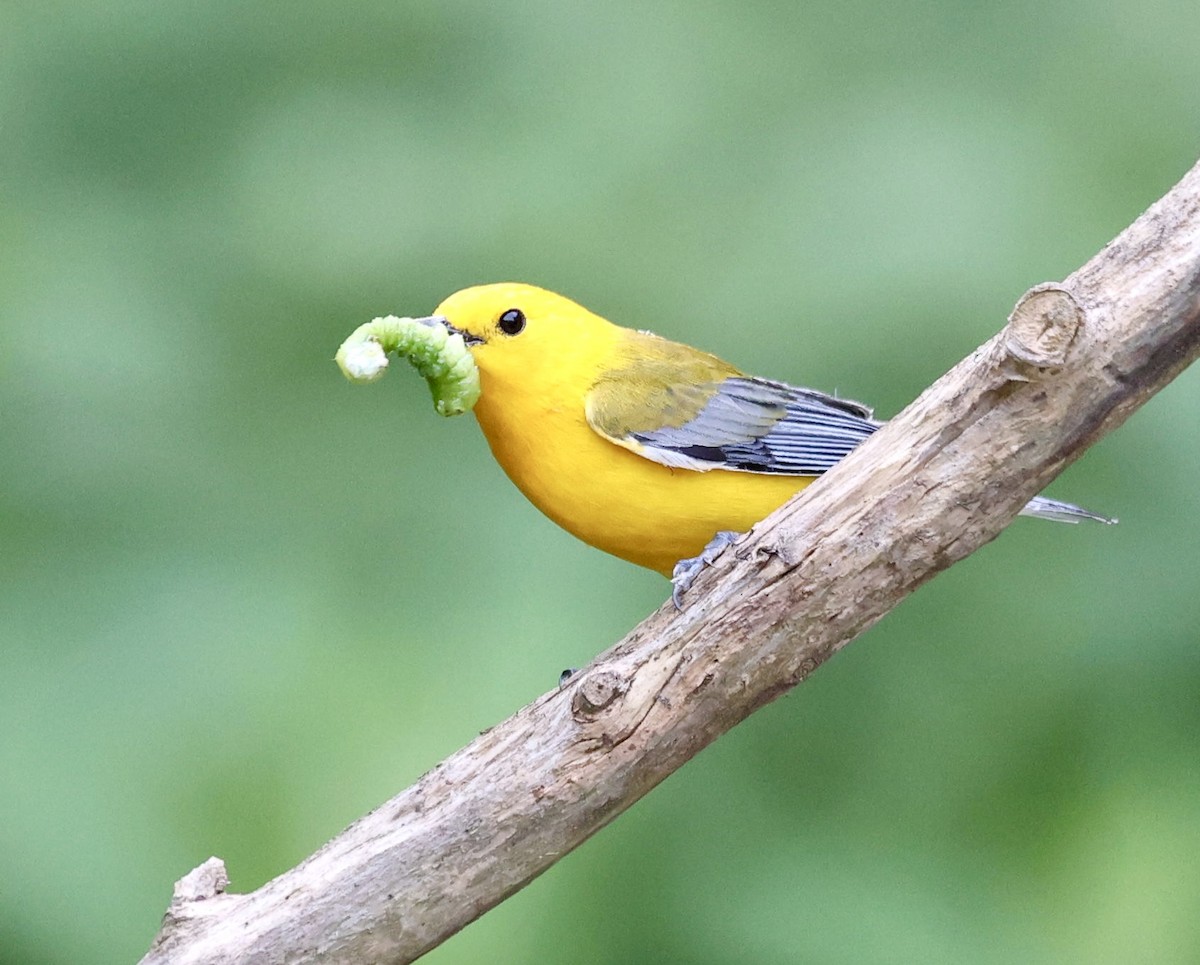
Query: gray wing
x: 752, y: 425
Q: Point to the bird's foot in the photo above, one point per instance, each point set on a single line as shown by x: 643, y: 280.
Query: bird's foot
x: 686, y: 571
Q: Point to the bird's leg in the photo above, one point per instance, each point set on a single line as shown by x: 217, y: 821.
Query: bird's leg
x: 686, y: 571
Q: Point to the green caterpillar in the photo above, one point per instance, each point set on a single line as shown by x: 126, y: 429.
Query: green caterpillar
x: 440, y: 356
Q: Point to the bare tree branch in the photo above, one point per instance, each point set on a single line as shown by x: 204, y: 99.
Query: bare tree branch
x: 940, y: 480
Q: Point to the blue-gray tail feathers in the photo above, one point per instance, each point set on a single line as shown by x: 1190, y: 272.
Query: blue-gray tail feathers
x: 1044, y: 508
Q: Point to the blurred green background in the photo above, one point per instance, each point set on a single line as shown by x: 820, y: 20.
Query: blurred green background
x: 243, y: 602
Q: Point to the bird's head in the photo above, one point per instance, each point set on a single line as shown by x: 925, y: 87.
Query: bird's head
x: 523, y: 335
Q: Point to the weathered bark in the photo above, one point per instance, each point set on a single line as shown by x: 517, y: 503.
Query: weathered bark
x: 944, y: 477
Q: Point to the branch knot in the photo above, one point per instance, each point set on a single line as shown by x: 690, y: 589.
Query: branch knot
x: 595, y: 692
x: 1041, y: 328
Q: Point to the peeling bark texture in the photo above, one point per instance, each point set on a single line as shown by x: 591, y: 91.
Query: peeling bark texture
x: 941, y: 479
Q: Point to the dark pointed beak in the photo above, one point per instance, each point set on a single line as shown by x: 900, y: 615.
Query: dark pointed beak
x: 467, y: 337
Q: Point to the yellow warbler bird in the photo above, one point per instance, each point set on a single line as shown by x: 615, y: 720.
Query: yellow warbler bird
x: 643, y: 447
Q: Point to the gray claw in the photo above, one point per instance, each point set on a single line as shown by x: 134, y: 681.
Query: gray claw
x: 686, y: 571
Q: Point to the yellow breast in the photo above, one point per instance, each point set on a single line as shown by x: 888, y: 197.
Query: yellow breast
x: 612, y: 498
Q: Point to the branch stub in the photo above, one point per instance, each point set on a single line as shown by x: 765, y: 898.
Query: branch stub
x: 1042, y: 326
x: 595, y: 692
x: 206, y: 881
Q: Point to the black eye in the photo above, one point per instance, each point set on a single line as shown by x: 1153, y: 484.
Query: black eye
x: 512, y: 321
